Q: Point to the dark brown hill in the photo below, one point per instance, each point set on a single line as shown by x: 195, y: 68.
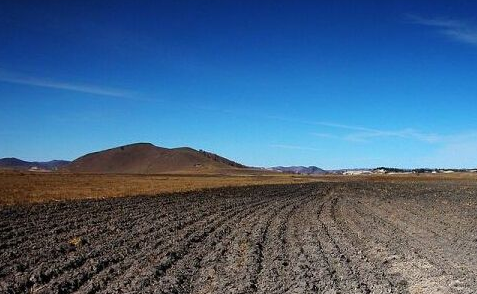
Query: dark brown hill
x: 145, y: 158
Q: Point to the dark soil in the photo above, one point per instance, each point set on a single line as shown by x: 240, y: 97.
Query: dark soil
x: 311, y: 238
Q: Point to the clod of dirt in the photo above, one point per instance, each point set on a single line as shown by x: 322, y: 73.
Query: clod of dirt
x: 77, y: 241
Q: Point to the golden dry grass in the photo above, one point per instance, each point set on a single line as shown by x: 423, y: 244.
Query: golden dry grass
x: 29, y: 187
x: 24, y: 187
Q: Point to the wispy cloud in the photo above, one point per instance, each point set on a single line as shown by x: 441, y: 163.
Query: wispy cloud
x: 363, y: 134
x: 454, y: 29
x: 16, y: 78
x: 450, y: 150
x: 294, y: 147
x: 357, y: 133
x: 326, y: 136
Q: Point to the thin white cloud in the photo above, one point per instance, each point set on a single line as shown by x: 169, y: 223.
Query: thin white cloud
x: 363, y: 134
x: 454, y: 29
x: 403, y: 134
x: 294, y: 147
x: 450, y: 150
x: 347, y: 127
x: 456, y: 151
x: 326, y: 135
x: 453, y: 150
x: 356, y: 133
x: 15, y: 78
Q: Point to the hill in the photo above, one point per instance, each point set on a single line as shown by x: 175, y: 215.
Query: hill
x: 145, y: 158
x: 18, y: 164
x: 310, y: 170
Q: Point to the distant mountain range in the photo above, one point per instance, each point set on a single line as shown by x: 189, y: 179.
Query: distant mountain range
x: 139, y: 158
x: 146, y: 158
x: 310, y: 170
x: 18, y: 164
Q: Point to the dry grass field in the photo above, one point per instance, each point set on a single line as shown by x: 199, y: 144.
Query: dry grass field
x: 31, y: 187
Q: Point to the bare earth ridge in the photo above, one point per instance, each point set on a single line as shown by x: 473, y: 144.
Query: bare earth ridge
x: 303, y: 238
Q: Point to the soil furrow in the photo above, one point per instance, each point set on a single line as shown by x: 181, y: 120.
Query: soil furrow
x: 345, y: 237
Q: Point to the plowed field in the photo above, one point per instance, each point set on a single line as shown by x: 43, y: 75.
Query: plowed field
x: 302, y: 238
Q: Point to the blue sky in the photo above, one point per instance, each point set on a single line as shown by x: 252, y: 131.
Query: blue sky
x: 335, y: 84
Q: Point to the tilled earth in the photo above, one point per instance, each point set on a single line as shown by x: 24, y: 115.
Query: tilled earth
x: 309, y: 238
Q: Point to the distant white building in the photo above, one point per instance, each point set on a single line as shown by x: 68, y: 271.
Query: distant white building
x: 400, y: 173
x: 357, y: 172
